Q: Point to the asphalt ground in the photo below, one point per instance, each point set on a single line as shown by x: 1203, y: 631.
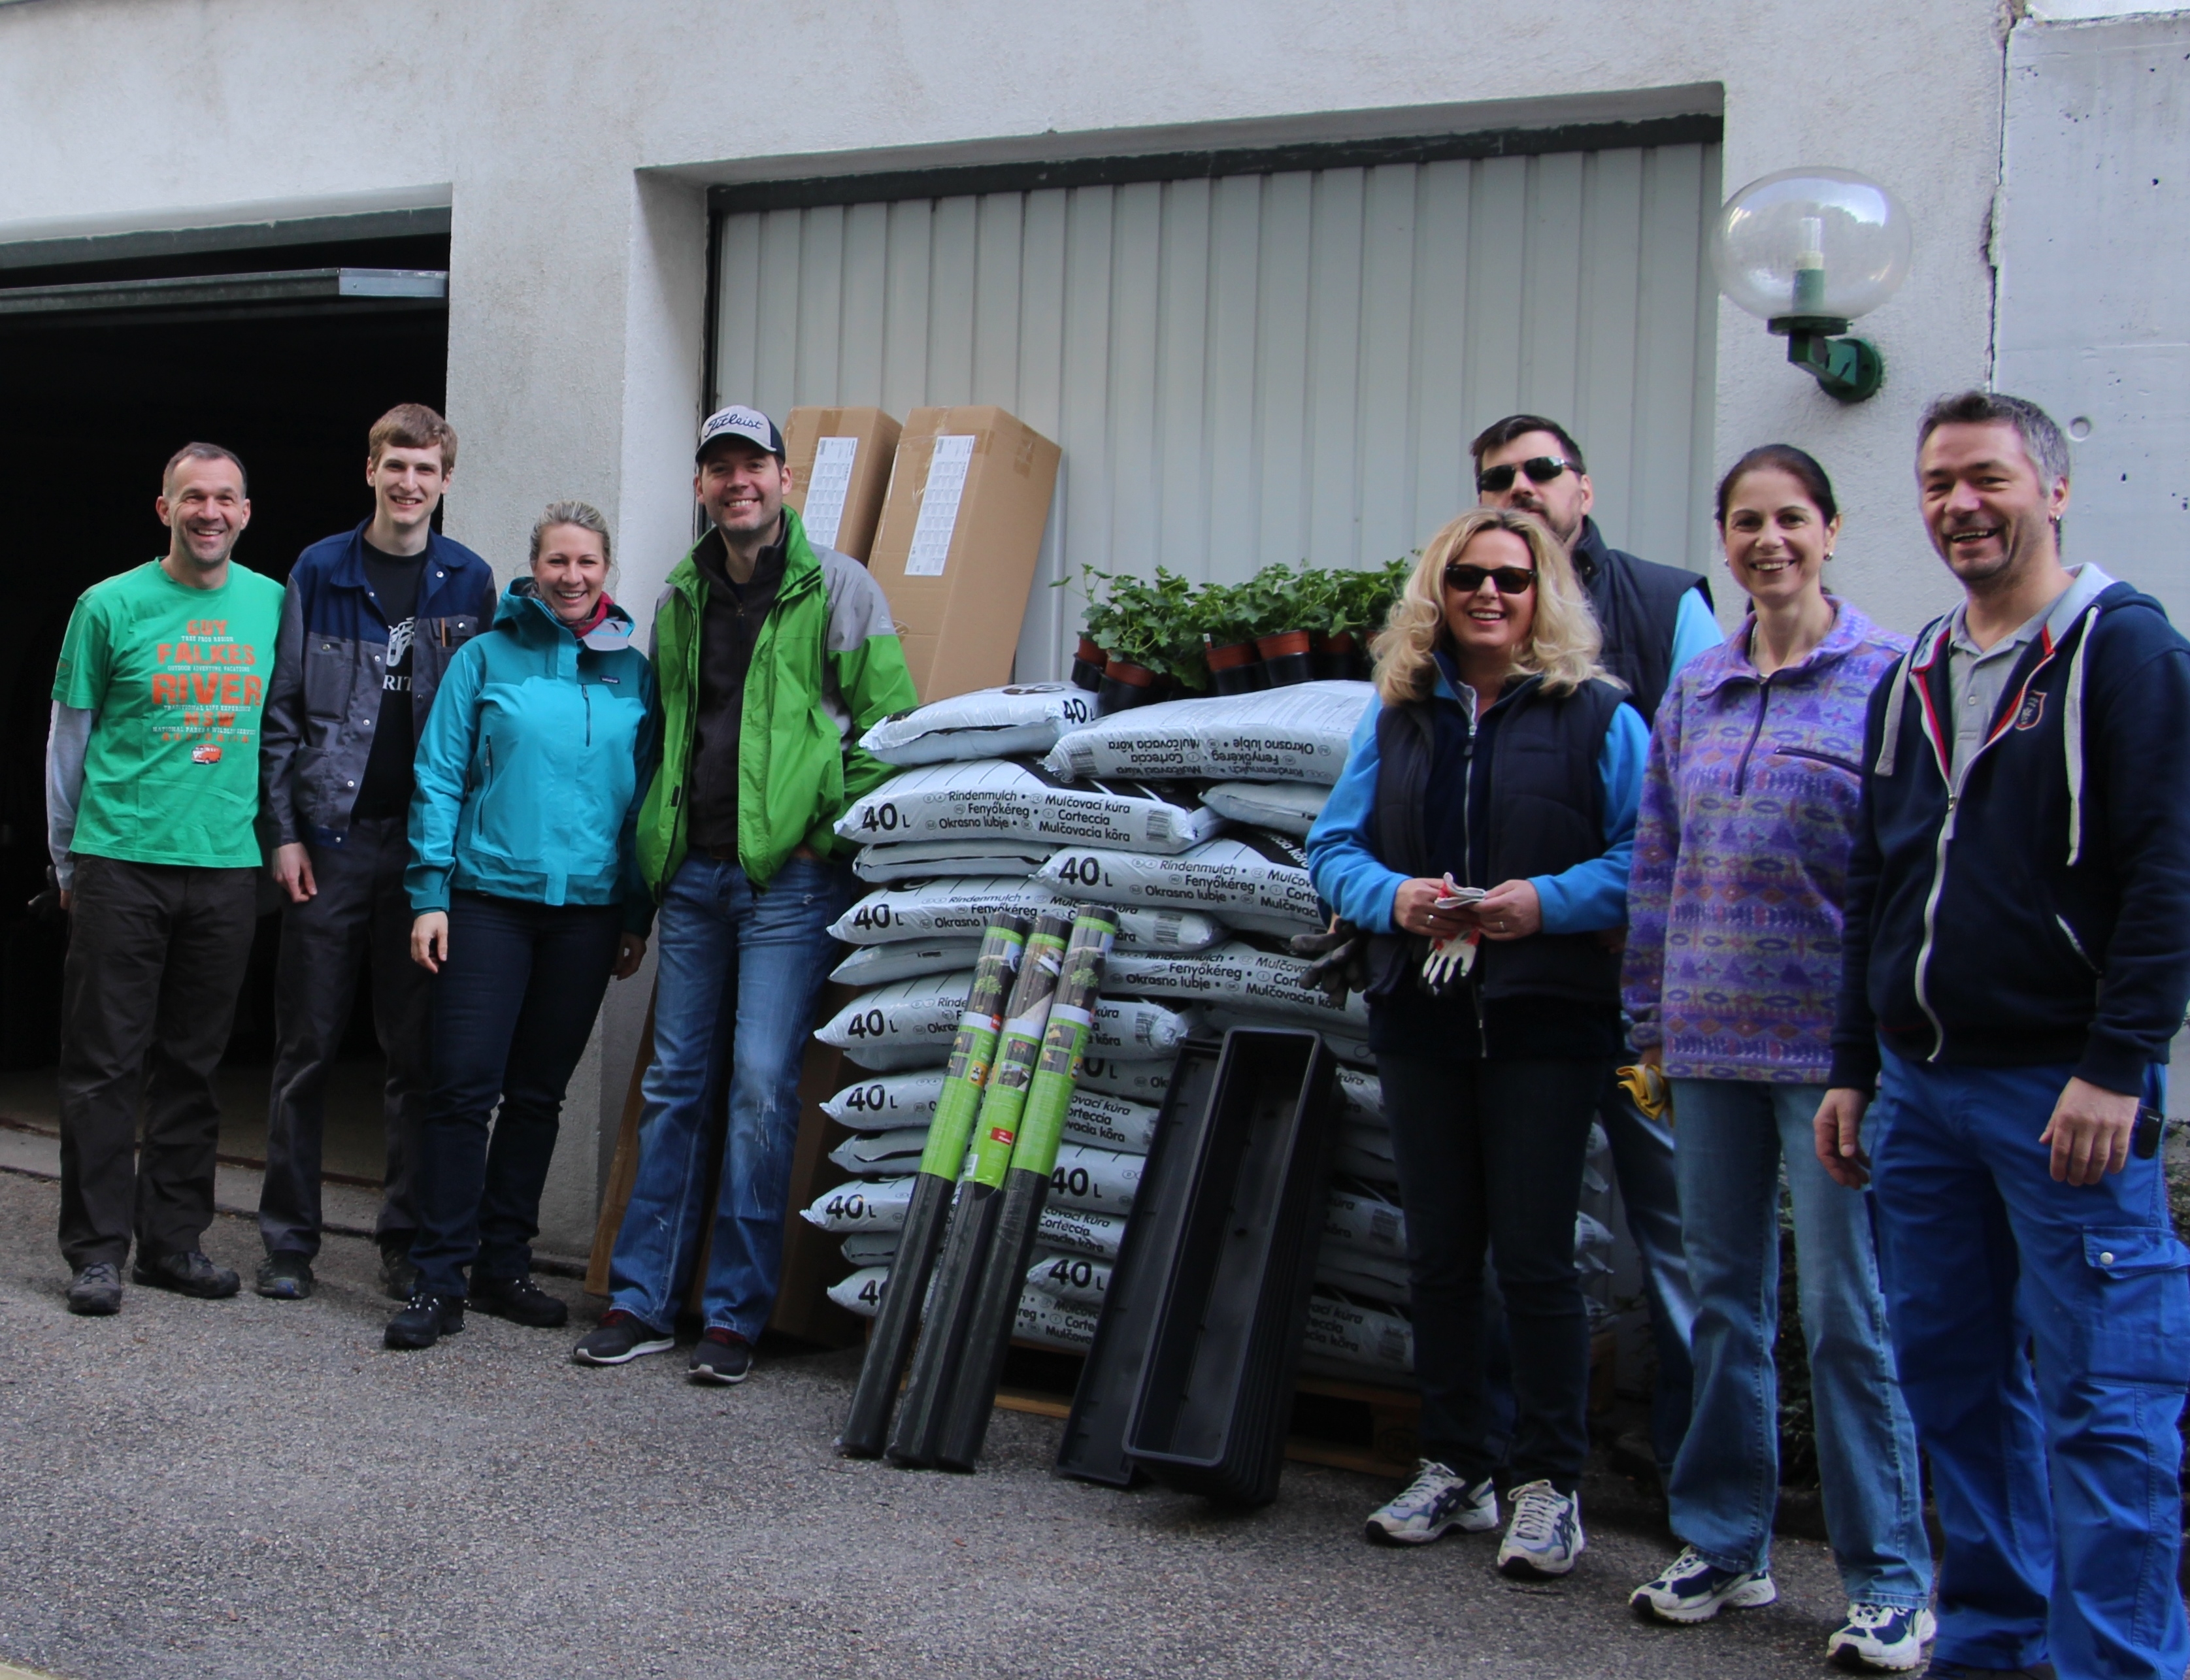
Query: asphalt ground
x: 248, y: 1488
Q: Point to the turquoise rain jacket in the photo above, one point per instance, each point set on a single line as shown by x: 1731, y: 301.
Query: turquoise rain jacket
x: 532, y: 765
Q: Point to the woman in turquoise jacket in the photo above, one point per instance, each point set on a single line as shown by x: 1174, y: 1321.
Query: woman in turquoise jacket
x: 524, y: 879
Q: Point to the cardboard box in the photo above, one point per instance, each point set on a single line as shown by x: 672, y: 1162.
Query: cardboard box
x: 840, y: 467
x: 960, y: 534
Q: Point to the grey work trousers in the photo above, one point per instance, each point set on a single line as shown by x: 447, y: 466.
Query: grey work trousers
x: 360, y: 915
x: 156, y: 956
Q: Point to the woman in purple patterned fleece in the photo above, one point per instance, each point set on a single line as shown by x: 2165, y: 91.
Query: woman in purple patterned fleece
x: 1733, y: 965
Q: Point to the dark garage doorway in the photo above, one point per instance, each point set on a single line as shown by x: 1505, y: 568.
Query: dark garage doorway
x: 92, y: 402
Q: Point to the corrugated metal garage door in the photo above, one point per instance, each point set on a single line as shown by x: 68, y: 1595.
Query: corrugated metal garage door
x: 1264, y: 367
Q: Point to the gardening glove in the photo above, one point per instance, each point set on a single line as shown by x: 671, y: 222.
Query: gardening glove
x: 1450, y: 960
x: 1646, y: 1089
x: 1342, y: 960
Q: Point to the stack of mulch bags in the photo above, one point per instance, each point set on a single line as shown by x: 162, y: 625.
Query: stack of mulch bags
x: 1188, y: 817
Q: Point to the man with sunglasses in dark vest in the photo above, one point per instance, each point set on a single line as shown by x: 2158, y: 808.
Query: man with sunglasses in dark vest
x: 1654, y: 619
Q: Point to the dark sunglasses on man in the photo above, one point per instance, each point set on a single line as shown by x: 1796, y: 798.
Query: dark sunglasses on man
x: 1510, y: 580
x: 1540, y: 469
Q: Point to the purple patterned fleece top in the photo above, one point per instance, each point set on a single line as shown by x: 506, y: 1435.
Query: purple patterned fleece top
x: 1741, y: 854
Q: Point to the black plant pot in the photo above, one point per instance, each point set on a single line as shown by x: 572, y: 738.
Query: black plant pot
x: 1236, y: 669
x: 1087, y: 666
x: 1287, y: 658
x: 1127, y: 685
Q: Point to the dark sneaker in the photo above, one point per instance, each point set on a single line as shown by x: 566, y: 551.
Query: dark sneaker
x: 96, y: 1291
x: 620, y: 1338
x: 191, y: 1274
x: 424, y: 1321
x: 284, y: 1277
x: 519, y: 1300
x: 399, y: 1278
x: 1544, y: 1536
x: 723, y: 1356
x: 1694, y: 1589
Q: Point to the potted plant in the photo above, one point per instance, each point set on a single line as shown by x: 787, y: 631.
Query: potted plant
x: 1149, y: 634
x: 1099, y: 624
x: 1224, y: 612
x: 1281, y: 634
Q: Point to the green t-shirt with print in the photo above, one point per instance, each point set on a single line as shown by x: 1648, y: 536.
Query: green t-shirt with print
x: 178, y: 677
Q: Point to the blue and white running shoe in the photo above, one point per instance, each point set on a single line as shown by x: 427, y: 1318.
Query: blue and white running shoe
x: 1436, y: 1502
x: 1544, y: 1536
x: 1884, y: 1637
x: 1694, y: 1589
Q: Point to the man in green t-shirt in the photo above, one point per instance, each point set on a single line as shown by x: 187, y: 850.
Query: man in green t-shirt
x: 151, y: 802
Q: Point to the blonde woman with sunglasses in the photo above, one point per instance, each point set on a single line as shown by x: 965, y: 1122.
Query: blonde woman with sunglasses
x: 1481, y: 834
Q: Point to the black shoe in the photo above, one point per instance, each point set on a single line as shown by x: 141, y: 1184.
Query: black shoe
x: 96, y: 1291
x: 424, y: 1321
x: 519, y: 1300
x: 191, y: 1274
x: 723, y: 1356
x: 399, y: 1278
x: 620, y: 1337
x: 284, y: 1277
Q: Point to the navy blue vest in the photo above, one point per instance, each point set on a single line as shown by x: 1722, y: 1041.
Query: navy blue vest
x: 1546, y: 815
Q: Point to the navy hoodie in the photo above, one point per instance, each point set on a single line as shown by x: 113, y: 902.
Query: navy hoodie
x: 2043, y: 917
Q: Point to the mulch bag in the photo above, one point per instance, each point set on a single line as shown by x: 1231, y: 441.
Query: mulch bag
x: 1100, y: 1181
x: 963, y: 908
x: 1297, y: 733
x: 901, y: 1101
x: 986, y: 724
x: 1048, y: 1322
x: 1014, y: 799
x: 1353, y: 1337
x: 1254, y: 879
x: 1289, y: 807
x: 870, y: 1248
x: 1236, y: 976
x: 1078, y: 1279
x: 1360, y: 1097
x: 1077, y: 1230
x: 865, y: 1204
x: 1116, y: 1076
x: 936, y: 860
x: 913, y: 1023
x: 882, y: 1155
x: 1361, y: 1216
x: 1375, y: 1276
x: 1365, y: 1152
x: 862, y: 1292
x: 905, y: 960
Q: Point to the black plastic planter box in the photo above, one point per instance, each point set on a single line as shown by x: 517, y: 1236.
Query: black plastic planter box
x: 1216, y: 1389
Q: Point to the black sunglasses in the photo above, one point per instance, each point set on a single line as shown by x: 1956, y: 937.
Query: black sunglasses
x: 1540, y: 469
x: 1510, y: 580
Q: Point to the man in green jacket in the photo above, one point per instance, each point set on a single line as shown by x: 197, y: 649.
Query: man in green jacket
x: 773, y: 657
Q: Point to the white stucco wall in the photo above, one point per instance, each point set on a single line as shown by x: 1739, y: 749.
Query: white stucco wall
x: 573, y: 141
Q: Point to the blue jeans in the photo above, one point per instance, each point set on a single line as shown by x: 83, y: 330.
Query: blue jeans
x: 1642, y: 1161
x: 1733, y: 1135
x: 2055, y: 1468
x: 739, y: 971
x: 511, y: 1010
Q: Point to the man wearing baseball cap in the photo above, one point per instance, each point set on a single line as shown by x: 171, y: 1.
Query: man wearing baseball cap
x: 774, y: 657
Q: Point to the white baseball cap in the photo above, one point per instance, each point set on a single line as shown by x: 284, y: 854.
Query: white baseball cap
x: 737, y: 421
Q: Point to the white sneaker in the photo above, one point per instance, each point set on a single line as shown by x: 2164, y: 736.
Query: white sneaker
x: 1544, y: 1536
x: 1694, y: 1589
x: 1882, y: 1636
x: 1436, y: 1502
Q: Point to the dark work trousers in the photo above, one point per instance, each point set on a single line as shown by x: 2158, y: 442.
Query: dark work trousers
x: 1490, y: 1156
x: 360, y: 914
x: 512, y: 1008
x: 156, y: 956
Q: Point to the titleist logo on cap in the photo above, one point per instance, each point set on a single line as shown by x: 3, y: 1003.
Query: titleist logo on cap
x: 737, y: 421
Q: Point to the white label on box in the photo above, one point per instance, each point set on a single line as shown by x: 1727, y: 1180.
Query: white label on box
x: 938, y: 507
x: 826, y: 487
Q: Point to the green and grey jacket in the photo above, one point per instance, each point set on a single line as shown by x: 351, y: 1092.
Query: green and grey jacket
x: 826, y: 667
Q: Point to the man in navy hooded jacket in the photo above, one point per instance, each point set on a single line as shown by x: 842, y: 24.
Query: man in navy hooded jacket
x: 370, y: 620
x: 2017, y: 961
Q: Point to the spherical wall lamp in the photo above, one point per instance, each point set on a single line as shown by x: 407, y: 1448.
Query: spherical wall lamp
x: 1808, y: 251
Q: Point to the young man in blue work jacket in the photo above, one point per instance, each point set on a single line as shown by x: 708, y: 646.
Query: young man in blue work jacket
x: 2017, y: 962
x: 370, y: 620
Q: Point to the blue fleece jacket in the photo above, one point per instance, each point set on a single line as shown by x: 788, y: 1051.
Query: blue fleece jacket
x: 2041, y: 915
x: 532, y: 766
